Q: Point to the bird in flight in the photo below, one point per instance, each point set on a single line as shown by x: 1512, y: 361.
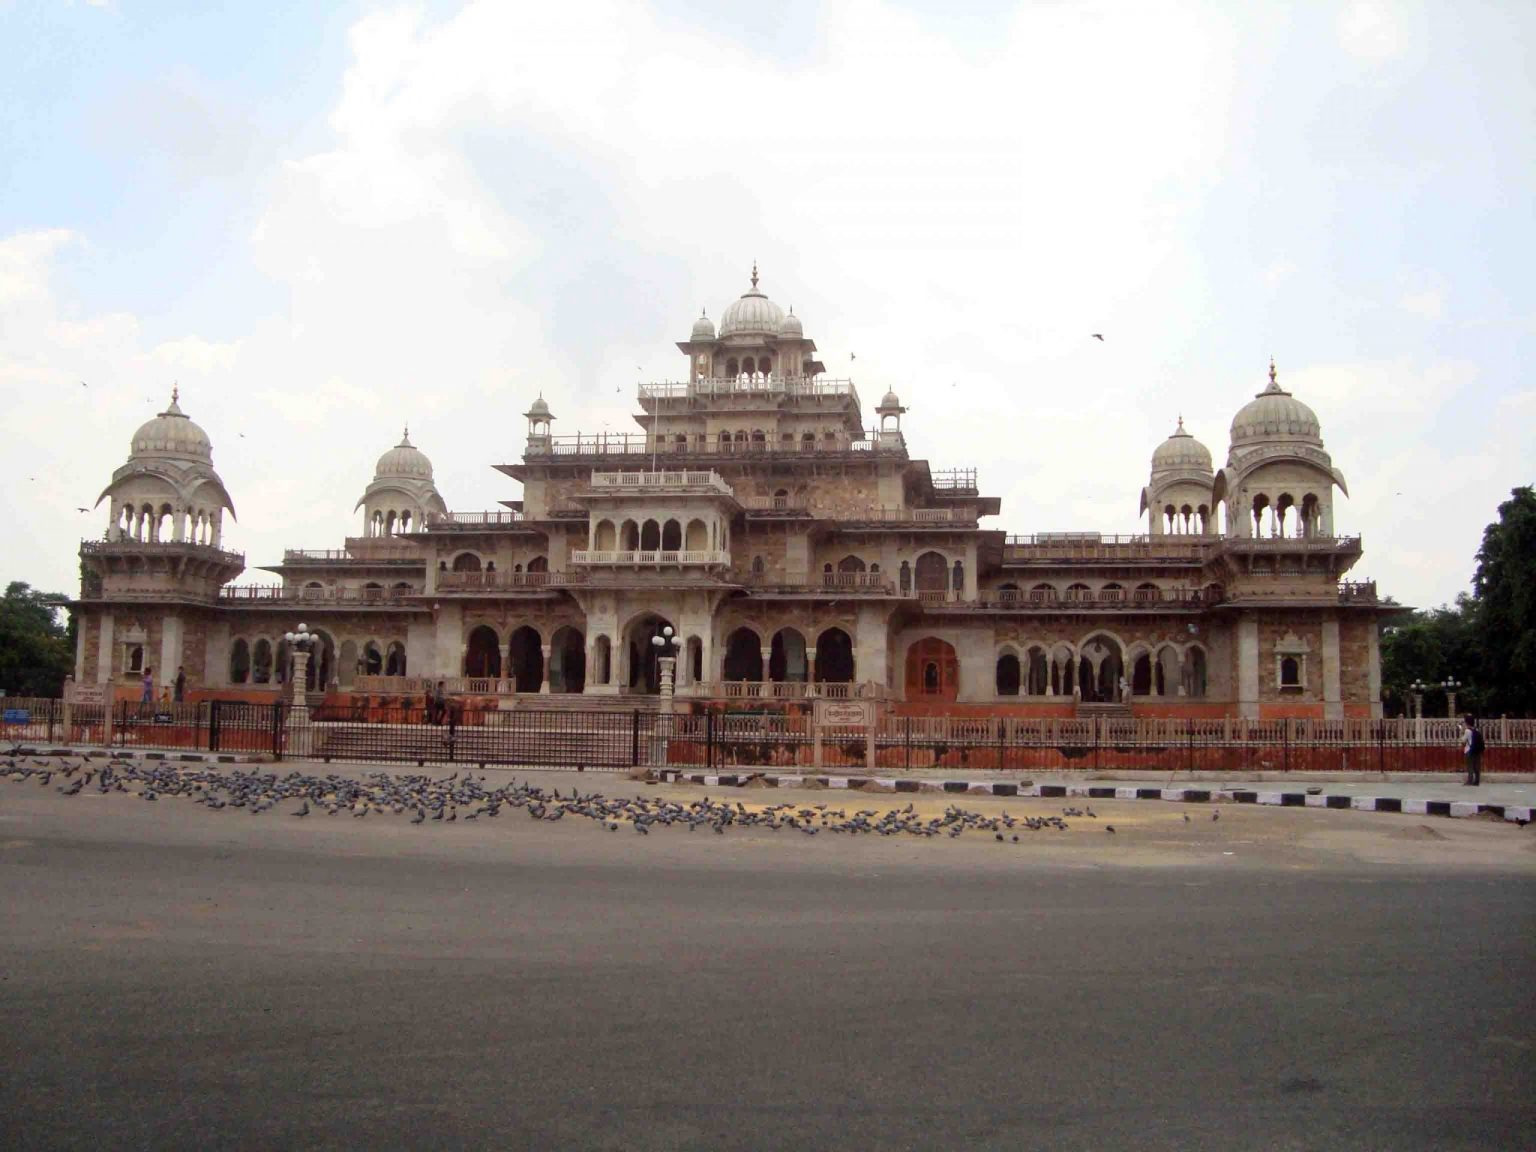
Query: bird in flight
x: 82, y: 509
x: 851, y: 356
x: 1099, y: 336
x: 83, y: 384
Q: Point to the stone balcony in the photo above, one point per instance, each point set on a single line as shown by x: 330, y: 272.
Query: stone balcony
x: 769, y: 387
x: 507, y: 582
x: 652, y: 558
x: 680, y: 482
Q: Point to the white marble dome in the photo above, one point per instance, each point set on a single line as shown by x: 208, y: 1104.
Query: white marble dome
x: 703, y: 328
x: 791, y: 326
x: 754, y: 314
x: 1274, y: 414
x: 404, y: 459
x: 1181, y: 451
x: 172, y: 433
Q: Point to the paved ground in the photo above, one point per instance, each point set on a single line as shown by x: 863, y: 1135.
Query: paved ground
x: 177, y: 977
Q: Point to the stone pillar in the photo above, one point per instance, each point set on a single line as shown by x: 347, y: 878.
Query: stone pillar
x: 1333, y: 707
x: 448, y: 659
x: 767, y: 651
x: 810, y: 669
x: 170, y: 650
x: 544, y: 685
x: 300, y: 674
x: 83, y: 623
x: 1248, y: 668
x: 105, y: 656
x: 1373, y: 673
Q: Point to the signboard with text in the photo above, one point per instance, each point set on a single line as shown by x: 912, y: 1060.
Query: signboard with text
x: 845, y: 713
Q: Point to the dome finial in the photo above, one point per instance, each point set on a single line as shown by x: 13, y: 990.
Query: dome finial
x: 405, y: 436
x: 175, y: 391
x: 754, y: 274
x: 1181, y: 422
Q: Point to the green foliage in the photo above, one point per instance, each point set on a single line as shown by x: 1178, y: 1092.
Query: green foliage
x: 1505, y: 588
x: 36, y: 651
x: 1487, y: 640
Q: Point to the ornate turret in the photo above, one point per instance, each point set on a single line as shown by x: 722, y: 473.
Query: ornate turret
x: 401, y: 494
x: 1279, y: 479
x: 1178, y: 494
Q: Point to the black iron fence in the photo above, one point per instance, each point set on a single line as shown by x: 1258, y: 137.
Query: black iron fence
x: 616, y: 739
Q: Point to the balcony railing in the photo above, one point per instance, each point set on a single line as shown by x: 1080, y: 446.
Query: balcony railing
x: 159, y: 548
x: 773, y: 503
x: 257, y: 594
x: 830, y: 583
x: 471, y: 521
x: 789, y: 690
x: 506, y: 581
x: 1358, y: 592
x: 652, y: 558
x: 769, y: 385
x: 605, y: 445
x: 661, y: 482
x: 960, y: 516
x: 955, y: 480
x: 1108, y: 599
x: 368, y: 552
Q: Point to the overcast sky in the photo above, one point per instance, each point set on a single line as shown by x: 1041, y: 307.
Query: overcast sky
x: 327, y: 225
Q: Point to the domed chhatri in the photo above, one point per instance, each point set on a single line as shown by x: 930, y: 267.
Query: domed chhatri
x: 753, y: 314
x: 1181, y: 451
x: 168, y: 490
x: 703, y: 327
x: 1274, y: 414
x: 791, y: 327
x: 174, y: 434
x: 404, y: 459
x: 401, y: 497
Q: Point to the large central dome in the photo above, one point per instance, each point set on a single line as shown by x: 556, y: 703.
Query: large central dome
x: 754, y: 314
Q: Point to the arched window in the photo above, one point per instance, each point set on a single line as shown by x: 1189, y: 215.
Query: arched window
x: 834, y: 657
x: 539, y: 564
x: 932, y: 669
x: 932, y: 573
x: 394, y: 659
x: 743, y: 656
x: 1290, y: 672
x: 906, y: 577
x: 482, y: 655
x: 959, y: 580
x: 239, y: 662
x: 466, y: 562
x: 1008, y: 674
x: 733, y: 368
x: 650, y: 536
x: 671, y: 536
x: 261, y: 662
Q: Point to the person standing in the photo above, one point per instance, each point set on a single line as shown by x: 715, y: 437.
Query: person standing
x: 147, y: 687
x: 181, y: 685
x: 1472, y: 750
x: 439, y: 702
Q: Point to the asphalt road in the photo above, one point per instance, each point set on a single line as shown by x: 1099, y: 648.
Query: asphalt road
x: 172, y: 977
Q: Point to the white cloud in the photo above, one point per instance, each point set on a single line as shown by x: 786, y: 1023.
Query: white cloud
x: 1370, y: 31
x: 1429, y: 304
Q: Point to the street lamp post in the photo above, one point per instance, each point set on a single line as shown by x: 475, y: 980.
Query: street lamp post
x: 665, y: 644
x: 299, y: 643
x: 1451, y: 686
x: 1417, y: 690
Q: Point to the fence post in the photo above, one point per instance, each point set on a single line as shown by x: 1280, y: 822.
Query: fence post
x: 277, y: 729
x: 1189, y: 722
x: 453, y: 731
x: 213, y: 726
x: 1285, y: 744
x: 709, y: 738
x: 634, y: 739
x: 1096, y: 743
x: 1381, y: 746
x: 907, y: 724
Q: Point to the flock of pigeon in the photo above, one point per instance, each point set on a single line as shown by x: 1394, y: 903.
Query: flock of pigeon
x: 464, y: 797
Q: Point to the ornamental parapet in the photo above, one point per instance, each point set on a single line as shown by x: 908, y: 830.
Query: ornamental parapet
x: 1104, y: 600
x: 114, y: 548
x: 606, y: 446
x: 281, y: 595
x: 771, y: 386
x: 652, y: 558
x: 507, y: 581
x: 679, y: 482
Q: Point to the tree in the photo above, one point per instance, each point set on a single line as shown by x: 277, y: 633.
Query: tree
x: 1505, y: 589
x: 35, y: 649
x: 1433, y: 646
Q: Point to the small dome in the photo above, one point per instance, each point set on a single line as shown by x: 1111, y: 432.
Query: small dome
x: 753, y: 314
x: 538, y: 409
x: 791, y: 326
x: 404, y: 459
x: 1274, y: 414
x: 703, y: 328
x: 1181, y: 450
x: 172, y: 433
x: 888, y: 401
